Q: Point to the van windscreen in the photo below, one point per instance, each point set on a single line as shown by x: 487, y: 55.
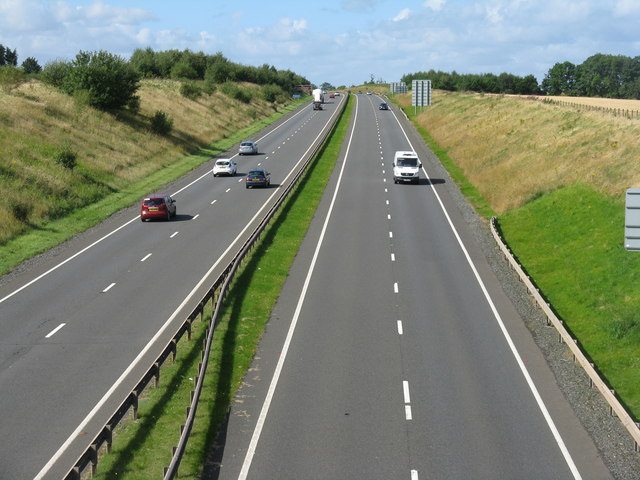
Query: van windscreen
x: 407, y: 162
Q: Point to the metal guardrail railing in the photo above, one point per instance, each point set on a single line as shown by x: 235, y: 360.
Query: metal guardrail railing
x: 595, y: 380
x: 216, y: 294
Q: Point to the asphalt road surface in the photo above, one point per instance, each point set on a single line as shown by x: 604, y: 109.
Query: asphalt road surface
x: 393, y: 352
x: 80, y: 326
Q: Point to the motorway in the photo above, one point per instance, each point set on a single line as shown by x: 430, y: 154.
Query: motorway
x: 79, y: 327
x: 393, y: 352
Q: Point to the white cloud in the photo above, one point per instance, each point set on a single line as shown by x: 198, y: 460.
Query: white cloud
x: 435, y: 5
x: 403, y: 15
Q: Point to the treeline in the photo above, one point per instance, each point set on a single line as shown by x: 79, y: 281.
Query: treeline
x: 9, y: 58
x: 610, y: 76
x: 216, y: 68
x: 484, y: 82
x: 107, y: 81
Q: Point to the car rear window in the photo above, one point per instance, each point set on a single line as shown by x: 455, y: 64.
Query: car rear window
x: 222, y: 163
x: 153, y: 202
x: 246, y: 144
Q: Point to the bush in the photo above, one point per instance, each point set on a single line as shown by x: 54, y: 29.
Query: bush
x: 273, y: 93
x: 161, y: 123
x: 190, y: 90
x: 21, y: 210
x: 11, y: 78
x: 110, y: 81
x: 66, y: 157
x: 54, y: 73
x: 234, y: 91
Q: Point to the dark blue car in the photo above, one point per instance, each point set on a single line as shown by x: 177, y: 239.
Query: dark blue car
x: 257, y: 178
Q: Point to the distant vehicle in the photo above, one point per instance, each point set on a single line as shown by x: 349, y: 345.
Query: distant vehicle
x: 406, y: 167
x: 359, y: 92
x: 383, y: 106
x: 368, y: 93
x: 337, y: 94
x: 225, y: 166
x: 158, y: 206
x: 331, y: 95
x: 318, y: 99
x: 248, y: 148
x: 257, y: 178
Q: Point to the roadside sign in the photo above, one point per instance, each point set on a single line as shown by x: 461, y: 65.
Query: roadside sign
x: 398, y: 87
x: 632, y: 220
x: 420, y: 93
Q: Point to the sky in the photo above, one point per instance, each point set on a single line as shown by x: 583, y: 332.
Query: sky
x: 342, y: 42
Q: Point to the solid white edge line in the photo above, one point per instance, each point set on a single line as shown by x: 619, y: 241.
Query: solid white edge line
x: 246, y: 464
x: 541, y: 405
x: 55, y: 330
x: 52, y: 269
x: 135, y: 362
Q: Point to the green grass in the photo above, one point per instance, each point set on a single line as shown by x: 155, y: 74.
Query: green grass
x: 571, y: 242
x: 40, y: 239
x: 466, y: 187
x: 143, y: 448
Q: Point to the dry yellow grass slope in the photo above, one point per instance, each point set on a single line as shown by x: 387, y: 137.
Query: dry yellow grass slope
x: 514, y: 150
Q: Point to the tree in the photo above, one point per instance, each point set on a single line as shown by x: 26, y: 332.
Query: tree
x: 560, y: 79
x: 30, y: 65
x: 109, y: 80
x: 11, y: 57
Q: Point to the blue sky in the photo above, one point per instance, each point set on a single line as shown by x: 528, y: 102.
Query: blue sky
x: 343, y: 42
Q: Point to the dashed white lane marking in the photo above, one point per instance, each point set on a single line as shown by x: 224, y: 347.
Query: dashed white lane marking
x: 386, y: 190
x: 383, y: 171
x: 384, y: 179
x: 55, y: 330
x: 195, y: 216
x: 108, y: 288
x: 414, y: 475
x: 214, y: 202
x: 405, y: 391
x: 395, y: 287
x: 145, y: 257
x: 393, y: 257
x: 407, y: 412
x: 400, y: 329
x: 387, y: 202
x: 227, y: 190
x: 388, y: 216
x: 173, y: 234
x: 239, y: 180
x: 390, y: 234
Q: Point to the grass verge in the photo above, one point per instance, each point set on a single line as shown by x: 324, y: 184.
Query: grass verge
x: 142, y: 448
x: 571, y: 242
x: 41, y: 239
x: 466, y: 187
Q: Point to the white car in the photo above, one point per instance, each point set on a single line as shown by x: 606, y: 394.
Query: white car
x: 225, y: 166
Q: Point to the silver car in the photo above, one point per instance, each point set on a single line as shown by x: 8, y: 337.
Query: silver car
x: 248, y: 148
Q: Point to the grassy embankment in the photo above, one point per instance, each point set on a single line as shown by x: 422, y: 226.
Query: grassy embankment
x: 118, y: 159
x: 556, y: 177
x: 143, y: 448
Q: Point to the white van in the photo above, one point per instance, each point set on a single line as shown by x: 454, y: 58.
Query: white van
x: 406, y: 167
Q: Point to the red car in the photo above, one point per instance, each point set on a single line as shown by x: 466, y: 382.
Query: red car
x: 158, y: 206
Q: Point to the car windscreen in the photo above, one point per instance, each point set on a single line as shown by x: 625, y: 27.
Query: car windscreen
x: 407, y: 162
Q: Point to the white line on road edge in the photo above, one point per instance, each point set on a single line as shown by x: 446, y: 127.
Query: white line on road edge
x: 155, y: 338
x: 52, y: 269
x: 55, y: 330
x: 283, y: 354
x: 534, y: 390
